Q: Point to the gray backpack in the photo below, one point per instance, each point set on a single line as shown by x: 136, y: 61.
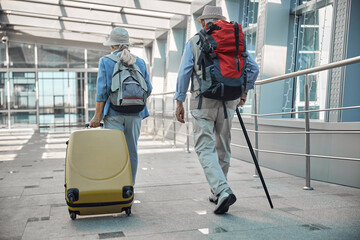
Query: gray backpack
x: 128, y: 88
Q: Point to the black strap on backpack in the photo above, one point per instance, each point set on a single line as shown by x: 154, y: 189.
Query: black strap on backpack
x: 236, y: 32
x: 192, y: 87
x: 203, y: 51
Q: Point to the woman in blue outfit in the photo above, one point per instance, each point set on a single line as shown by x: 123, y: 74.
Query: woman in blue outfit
x: 130, y: 124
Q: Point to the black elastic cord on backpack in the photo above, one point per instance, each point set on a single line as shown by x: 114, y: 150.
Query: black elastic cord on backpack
x: 192, y: 87
x: 225, y: 110
x: 236, y: 32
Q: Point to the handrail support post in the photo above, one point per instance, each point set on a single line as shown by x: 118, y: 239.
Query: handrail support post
x: 307, y: 134
x: 256, y: 126
x: 187, y: 126
x: 154, y: 116
x: 163, y: 118
x: 174, y: 123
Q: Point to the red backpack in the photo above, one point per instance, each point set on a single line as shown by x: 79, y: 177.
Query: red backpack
x: 222, y: 61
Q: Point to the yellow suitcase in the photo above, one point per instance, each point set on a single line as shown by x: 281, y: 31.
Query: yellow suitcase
x: 98, y: 177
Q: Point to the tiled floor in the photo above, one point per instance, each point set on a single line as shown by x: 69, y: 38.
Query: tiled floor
x: 170, y: 198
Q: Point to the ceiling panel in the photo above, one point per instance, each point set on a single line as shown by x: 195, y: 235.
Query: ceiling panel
x: 78, y: 18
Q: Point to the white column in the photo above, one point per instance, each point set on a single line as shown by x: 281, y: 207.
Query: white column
x: 86, y: 93
x: 8, y: 82
x: 37, y: 87
x: 158, y: 66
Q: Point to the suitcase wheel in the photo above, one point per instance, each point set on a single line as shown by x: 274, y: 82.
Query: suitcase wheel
x: 72, y: 215
x: 128, y: 211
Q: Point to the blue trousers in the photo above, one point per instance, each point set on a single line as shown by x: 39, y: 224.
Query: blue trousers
x: 130, y: 125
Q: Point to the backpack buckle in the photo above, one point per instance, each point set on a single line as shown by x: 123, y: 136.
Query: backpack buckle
x: 213, y: 55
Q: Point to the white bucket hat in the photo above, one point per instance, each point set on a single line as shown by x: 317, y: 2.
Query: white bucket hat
x: 118, y: 36
x: 211, y: 12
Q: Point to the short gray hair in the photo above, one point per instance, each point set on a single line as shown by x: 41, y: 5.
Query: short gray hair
x: 210, y: 20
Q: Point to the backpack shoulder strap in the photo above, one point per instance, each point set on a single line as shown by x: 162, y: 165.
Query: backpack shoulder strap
x: 112, y: 57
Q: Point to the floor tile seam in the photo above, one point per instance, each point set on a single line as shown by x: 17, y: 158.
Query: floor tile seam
x: 328, y: 208
x: 168, y: 185
x: 261, y: 229
x: 22, y: 192
x: 303, y: 195
x: 324, y: 208
x: 79, y: 235
x: 164, y: 200
x: 47, y: 194
x: 352, y: 203
x: 40, y: 194
x: 160, y: 233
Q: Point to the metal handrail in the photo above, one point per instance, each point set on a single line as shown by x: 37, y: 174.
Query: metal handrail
x: 308, y: 111
x: 300, y: 154
x: 311, y: 70
x: 303, y: 132
x: 161, y: 94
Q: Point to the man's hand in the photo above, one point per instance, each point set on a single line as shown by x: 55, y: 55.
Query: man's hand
x: 180, y: 111
x: 242, y: 100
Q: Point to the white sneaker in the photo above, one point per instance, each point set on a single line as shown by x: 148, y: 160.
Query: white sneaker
x: 224, y: 202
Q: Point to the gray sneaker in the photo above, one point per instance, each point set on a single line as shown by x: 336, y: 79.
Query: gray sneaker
x: 225, y: 200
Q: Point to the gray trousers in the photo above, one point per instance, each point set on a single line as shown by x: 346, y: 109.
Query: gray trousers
x: 212, y: 137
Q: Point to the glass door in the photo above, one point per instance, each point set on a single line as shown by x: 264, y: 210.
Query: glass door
x: 61, y: 99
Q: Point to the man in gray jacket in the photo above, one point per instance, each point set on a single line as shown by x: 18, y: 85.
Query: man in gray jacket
x: 212, y: 134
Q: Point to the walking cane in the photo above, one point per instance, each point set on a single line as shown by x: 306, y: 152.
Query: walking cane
x: 253, y: 156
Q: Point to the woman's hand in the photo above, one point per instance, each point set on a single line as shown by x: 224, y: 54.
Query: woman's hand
x: 95, y: 122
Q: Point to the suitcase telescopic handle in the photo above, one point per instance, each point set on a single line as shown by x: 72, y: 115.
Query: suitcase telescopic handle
x: 88, y: 124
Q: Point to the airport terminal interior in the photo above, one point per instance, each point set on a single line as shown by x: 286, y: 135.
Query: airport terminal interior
x: 303, y: 116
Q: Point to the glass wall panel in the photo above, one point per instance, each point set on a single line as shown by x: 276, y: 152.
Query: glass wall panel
x: 312, y: 88
x: 250, y: 13
x: 91, y: 114
x: 92, y: 79
x: 23, y: 90
x: 22, y: 55
x: 2, y: 56
x: 3, y: 119
x: 60, y: 57
x: 76, y: 87
x: 253, y: 9
x: 93, y: 57
x: 3, y: 91
x: 52, y: 57
x: 61, y: 98
x: 23, y: 118
x: 314, y: 40
x: 76, y: 58
x: 313, y: 115
x: 250, y: 43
